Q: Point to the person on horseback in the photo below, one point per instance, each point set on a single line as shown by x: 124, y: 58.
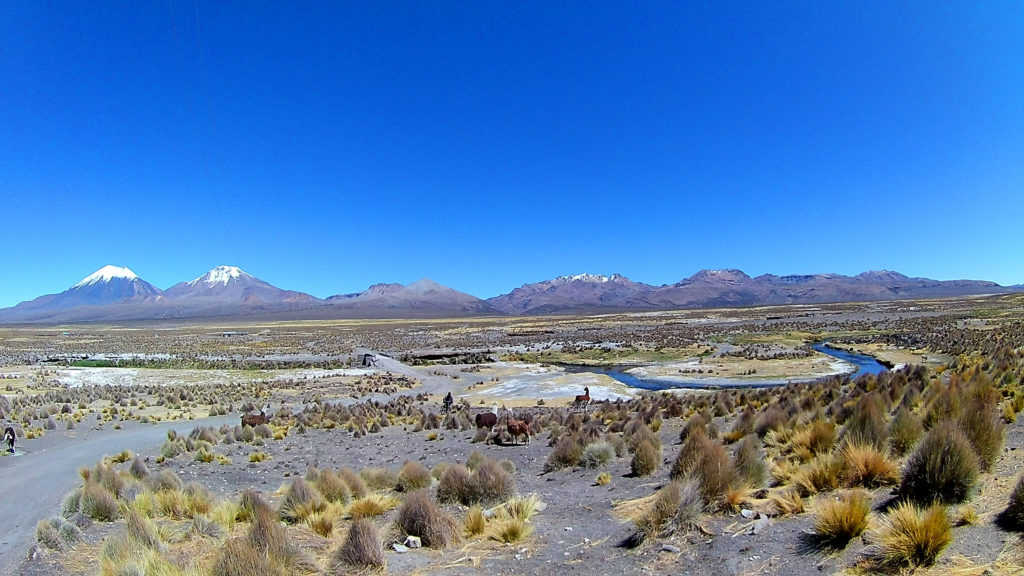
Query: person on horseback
x: 448, y: 401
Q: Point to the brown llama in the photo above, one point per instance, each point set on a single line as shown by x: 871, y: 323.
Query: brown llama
x: 582, y: 400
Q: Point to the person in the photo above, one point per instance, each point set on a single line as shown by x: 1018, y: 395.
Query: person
x: 448, y: 401
x: 10, y: 437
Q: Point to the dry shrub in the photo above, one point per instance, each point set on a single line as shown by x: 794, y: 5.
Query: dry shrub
x: 362, y: 549
x: 815, y: 439
x: 355, y: 482
x: 420, y: 516
x: 708, y: 462
x: 646, y: 458
x: 475, y: 460
x: 108, y: 478
x: 597, y: 454
x: 838, y: 521
x: 48, y: 536
x: 864, y: 465
x: 689, y: 453
x: 321, y: 522
x: 943, y: 468
x: 413, y: 476
x: 908, y: 537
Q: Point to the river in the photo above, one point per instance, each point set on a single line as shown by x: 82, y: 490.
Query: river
x: 865, y: 365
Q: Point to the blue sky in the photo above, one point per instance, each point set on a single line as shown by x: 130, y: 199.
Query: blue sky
x: 325, y: 147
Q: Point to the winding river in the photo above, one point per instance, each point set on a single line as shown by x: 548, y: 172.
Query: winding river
x: 864, y: 364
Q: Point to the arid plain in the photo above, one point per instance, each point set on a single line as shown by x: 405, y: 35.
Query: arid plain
x: 747, y: 451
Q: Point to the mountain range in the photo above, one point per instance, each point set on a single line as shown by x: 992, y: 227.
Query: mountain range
x: 116, y: 294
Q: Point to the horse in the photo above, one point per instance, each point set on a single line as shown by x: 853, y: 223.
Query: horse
x: 10, y: 437
x: 255, y: 420
x: 582, y: 400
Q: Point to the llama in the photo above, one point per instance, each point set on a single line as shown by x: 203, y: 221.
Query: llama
x: 486, y: 420
x: 255, y: 420
x: 582, y: 400
x: 518, y: 428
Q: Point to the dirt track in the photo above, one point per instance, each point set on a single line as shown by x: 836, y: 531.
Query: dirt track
x: 33, y: 482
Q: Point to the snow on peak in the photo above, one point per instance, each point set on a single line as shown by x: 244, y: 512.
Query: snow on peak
x: 106, y: 274
x: 219, y: 275
x: 587, y: 278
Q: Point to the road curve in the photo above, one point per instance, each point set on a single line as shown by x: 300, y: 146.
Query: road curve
x: 33, y: 482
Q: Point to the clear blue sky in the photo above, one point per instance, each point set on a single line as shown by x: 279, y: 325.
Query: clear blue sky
x: 328, y: 146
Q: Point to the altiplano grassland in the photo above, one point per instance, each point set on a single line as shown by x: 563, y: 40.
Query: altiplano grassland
x: 912, y: 470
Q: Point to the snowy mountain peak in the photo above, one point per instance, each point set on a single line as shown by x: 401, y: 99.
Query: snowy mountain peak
x: 219, y: 275
x: 106, y: 274
x: 596, y: 278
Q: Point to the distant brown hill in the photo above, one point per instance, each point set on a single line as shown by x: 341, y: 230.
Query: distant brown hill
x: 117, y: 294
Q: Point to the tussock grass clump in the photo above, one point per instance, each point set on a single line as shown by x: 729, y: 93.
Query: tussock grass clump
x: 512, y: 531
x: 413, y: 476
x: 239, y: 557
x: 355, y: 482
x: 597, y: 454
x: 942, y: 468
x: 1013, y: 517
x: 139, y: 528
x: 491, y: 483
x: 378, y: 479
x: 138, y: 469
x: 363, y: 548
x: 474, y: 523
x: 904, y: 431
x: 819, y: 475
x: 866, y: 424
x: 249, y: 503
x: 50, y: 535
x: 707, y: 461
x: 420, y: 516
x: 566, y: 453
x: 837, y: 521
x: 909, y: 537
x: 332, y: 487
x: 749, y: 461
x: 982, y: 423
x: 603, y: 479
x: 98, y: 503
x: 677, y: 507
x: 864, y: 465
x: 300, y: 500
x: 372, y: 505
x: 787, y: 503
x: 165, y: 480
x: 454, y: 484
x: 774, y: 418
x: 646, y: 458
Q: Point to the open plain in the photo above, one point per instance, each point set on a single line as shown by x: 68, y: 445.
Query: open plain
x: 773, y: 459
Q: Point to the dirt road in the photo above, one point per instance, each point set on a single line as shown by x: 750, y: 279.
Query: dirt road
x: 34, y: 481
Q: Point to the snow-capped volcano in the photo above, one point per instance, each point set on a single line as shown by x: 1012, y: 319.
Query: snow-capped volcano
x: 107, y: 274
x: 107, y: 286
x: 220, y: 275
x: 229, y: 285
